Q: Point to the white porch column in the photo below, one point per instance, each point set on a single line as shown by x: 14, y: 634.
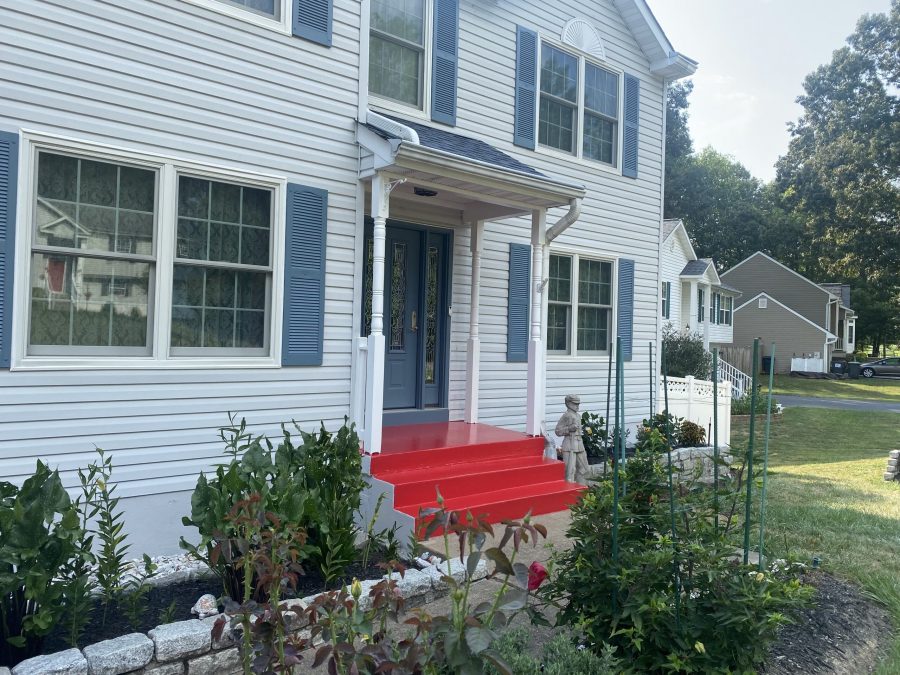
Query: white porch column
x: 381, y: 191
x: 473, y: 353
x: 534, y: 415
x: 707, y: 296
x: 694, y: 306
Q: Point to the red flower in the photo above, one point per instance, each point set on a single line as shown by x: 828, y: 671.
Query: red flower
x: 537, y: 573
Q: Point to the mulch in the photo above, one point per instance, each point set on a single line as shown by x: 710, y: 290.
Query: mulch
x: 841, y: 632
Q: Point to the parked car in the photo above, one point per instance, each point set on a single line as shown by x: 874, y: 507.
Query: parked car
x: 888, y: 366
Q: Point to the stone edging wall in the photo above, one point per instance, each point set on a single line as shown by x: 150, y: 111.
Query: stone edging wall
x: 187, y: 647
x: 893, y: 466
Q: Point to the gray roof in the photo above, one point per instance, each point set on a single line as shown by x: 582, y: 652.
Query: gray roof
x: 696, y: 268
x: 840, y: 290
x: 669, y: 227
x: 731, y: 289
x: 470, y: 148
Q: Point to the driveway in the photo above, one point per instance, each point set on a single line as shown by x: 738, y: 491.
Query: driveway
x: 840, y: 403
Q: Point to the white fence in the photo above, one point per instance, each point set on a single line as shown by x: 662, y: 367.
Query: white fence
x: 692, y: 399
x: 805, y: 365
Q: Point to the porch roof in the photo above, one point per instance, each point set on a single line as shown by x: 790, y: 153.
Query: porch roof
x: 482, y: 181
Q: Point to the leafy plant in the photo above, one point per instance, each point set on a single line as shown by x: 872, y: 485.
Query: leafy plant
x: 132, y: 598
x: 744, y: 404
x: 316, y: 486
x: 381, y: 541
x: 39, y: 535
x: 560, y: 656
x: 593, y: 433
x: 690, y: 435
x: 167, y: 614
x: 660, y: 588
x: 685, y: 354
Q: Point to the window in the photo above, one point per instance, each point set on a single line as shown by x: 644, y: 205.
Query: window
x: 714, y: 299
x: 102, y: 236
x: 579, y: 314
x: 397, y: 49
x: 270, y: 8
x: 701, y: 306
x: 579, y: 106
x: 667, y: 299
x: 850, y: 329
x: 268, y: 13
x: 726, y: 304
x: 763, y: 303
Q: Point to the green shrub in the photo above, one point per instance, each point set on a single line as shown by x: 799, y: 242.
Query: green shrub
x: 685, y: 354
x: 727, y: 613
x: 593, y: 433
x: 560, y: 656
x: 743, y: 405
x: 690, y: 435
x: 39, y: 535
x: 315, y: 486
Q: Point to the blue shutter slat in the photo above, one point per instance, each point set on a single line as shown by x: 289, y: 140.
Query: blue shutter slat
x: 9, y: 165
x: 312, y: 20
x: 526, y: 87
x: 304, y: 276
x: 518, y: 302
x: 625, y: 314
x: 445, y: 61
x: 631, y: 129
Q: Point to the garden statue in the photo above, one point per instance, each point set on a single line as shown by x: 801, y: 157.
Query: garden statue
x: 569, y: 427
x: 206, y: 606
x: 550, y: 451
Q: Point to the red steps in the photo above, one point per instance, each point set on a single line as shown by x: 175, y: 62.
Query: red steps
x: 492, y: 472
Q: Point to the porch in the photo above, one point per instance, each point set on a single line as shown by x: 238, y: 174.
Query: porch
x: 426, y: 188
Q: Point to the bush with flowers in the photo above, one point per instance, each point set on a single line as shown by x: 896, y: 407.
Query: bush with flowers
x: 668, y: 601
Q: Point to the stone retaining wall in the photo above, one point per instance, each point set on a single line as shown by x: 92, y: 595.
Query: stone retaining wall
x: 187, y: 647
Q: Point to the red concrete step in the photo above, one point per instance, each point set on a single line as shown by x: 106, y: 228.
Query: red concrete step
x: 418, y: 486
x: 509, y: 503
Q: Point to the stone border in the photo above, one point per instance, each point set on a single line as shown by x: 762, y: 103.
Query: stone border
x: 893, y: 466
x: 187, y: 647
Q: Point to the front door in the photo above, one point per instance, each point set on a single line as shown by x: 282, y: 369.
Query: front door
x: 416, y: 318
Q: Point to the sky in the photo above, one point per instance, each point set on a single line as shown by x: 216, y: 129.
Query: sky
x: 754, y: 55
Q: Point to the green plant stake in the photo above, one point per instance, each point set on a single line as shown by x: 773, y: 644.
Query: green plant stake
x: 608, y: 392
x: 615, y: 525
x: 715, y: 380
x: 675, y: 578
x: 762, y: 495
x: 749, y: 462
x: 650, y: 366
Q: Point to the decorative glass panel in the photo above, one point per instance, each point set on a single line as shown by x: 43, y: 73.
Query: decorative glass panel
x: 398, y: 296
x: 88, y: 302
x: 367, y: 286
x: 94, y: 206
x: 431, y: 311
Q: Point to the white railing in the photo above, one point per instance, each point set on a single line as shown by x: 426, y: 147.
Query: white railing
x: 692, y: 399
x: 740, y: 382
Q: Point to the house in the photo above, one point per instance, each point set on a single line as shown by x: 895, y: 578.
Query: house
x: 811, y: 324
x: 692, y: 296
x: 434, y: 217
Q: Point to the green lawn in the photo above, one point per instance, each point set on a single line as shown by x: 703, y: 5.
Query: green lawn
x: 827, y: 498
x: 874, y: 390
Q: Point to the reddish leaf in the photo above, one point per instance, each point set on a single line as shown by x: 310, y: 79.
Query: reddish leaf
x: 323, y: 653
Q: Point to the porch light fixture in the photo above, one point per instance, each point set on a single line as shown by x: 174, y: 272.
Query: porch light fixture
x: 424, y: 192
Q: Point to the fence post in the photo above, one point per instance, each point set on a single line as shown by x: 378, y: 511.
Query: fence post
x: 690, y: 397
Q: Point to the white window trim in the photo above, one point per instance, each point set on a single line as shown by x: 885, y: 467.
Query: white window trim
x: 389, y: 105
x: 578, y: 155
x: 282, y: 25
x: 574, y: 356
x: 160, y: 308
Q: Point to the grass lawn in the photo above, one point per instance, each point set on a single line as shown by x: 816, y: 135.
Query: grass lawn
x: 827, y: 497
x: 874, y: 389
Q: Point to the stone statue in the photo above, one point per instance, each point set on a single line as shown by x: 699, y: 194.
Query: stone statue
x: 569, y: 427
x: 206, y: 606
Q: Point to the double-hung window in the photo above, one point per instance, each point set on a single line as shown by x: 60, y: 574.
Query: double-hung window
x: 579, y: 106
x: 726, y: 305
x: 580, y: 305
x: 701, y: 306
x: 397, y: 51
x: 269, y: 13
x: 119, y: 270
x: 714, y: 301
x: 667, y: 299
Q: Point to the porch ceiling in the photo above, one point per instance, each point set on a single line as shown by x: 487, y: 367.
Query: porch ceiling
x: 480, y: 189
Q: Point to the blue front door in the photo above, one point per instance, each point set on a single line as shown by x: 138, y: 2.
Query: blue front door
x: 402, y: 317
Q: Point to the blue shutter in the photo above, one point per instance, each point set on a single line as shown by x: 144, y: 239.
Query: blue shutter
x: 304, y: 276
x: 9, y: 165
x: 625, y: 310
x: 518, y: 302
x: 312, y: 20
x: 631, y: 130
x: 444, y: 61
x: 526, y: 87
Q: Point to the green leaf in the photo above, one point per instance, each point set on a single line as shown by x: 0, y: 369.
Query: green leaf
x: 478, y: 639
x: 501, y: 561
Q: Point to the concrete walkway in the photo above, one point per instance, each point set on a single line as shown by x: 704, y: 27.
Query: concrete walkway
x: 838, y: 403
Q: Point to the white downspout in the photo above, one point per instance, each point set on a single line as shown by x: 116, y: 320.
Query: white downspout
x: 566, y: 221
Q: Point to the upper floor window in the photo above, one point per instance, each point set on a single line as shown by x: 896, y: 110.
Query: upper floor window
x: 701, y: 306
x: 118, y: 269
x: 579, y: 106
x: 274, y: 14
x: 726, y: 305
x: 271, y: 8
x: 397, y: 51
x: 580, y: 305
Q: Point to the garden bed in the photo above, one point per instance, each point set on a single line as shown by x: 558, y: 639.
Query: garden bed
x: 841, y: 632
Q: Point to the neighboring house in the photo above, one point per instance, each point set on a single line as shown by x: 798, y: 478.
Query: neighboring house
x: 404, y: 211
x: 810, y: 322
x: 692, y: 296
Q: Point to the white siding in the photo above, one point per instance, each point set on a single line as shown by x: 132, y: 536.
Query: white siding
x: 673, y: 260
x: 172, y: 78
